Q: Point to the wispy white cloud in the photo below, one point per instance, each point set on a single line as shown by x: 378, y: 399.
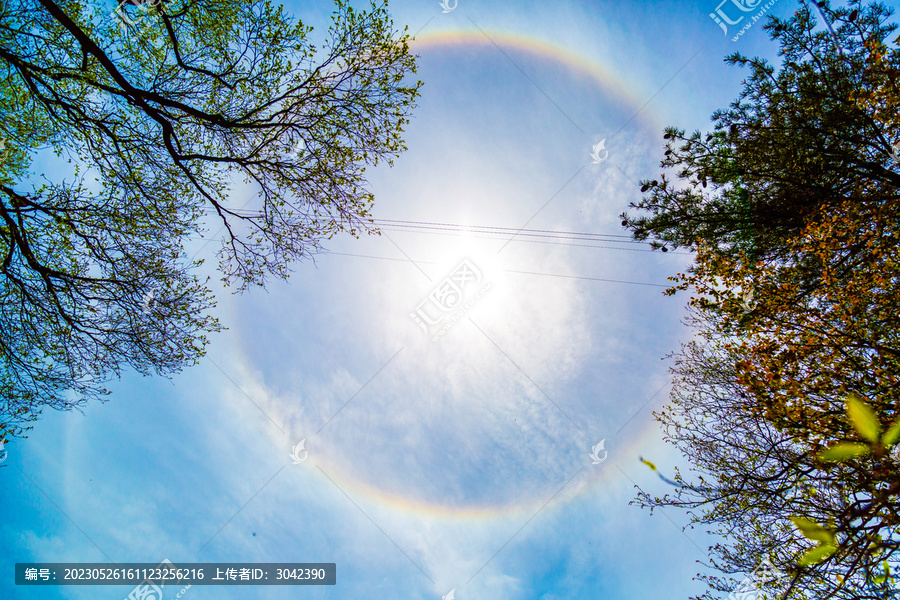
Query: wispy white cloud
x: 453, y: 448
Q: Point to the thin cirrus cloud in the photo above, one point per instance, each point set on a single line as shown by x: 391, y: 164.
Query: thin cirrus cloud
x: 453, y: 427
x: 462, y: 456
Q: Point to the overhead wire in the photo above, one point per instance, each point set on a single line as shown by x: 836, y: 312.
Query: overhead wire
x: 483, y: 237
x: 504, y: 270
x: 579, y: 236
x: 566, y: 238
x: 485, y: 232
x: 563, y: 238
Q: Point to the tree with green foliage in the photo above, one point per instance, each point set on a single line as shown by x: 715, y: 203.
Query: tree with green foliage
x: 816, y: 357
x: 793, y: 141
x: 789, y: 414
x: 817, y: 499
x: 159, y: 123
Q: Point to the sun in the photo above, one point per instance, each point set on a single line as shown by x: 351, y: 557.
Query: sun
x: 470, y: 278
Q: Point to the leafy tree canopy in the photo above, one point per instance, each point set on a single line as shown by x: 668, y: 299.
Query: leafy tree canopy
x: 790, y: 413
x: 162, y: 111
x: 793, y: 141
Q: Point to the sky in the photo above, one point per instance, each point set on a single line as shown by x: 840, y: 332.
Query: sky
x: 457, y: 454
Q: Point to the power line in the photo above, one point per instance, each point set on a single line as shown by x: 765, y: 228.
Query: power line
x: 483, y: 232
x: 587, y: 278
x: 429, y: 226
x: 494, y: 229
x: 490, y: 232
x: 425, y: 262
x: 482, y: 237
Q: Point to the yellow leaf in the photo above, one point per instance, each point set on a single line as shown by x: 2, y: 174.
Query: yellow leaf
x: 813, y: 530
x: 892, y: 435
x: 843, y: 451
x: 863, y: 418
x: 817, y: 554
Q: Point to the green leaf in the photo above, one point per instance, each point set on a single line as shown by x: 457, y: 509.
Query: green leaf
x: 817, y: 554
x: 892, y: 435
x: 863, y: 418
x: 844, y: 451
x: 813, y: 530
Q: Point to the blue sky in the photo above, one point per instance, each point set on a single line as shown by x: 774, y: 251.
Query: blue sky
x: 432, y: 465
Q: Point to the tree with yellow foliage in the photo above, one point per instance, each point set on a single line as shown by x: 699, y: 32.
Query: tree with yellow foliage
x: 788, y: 414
